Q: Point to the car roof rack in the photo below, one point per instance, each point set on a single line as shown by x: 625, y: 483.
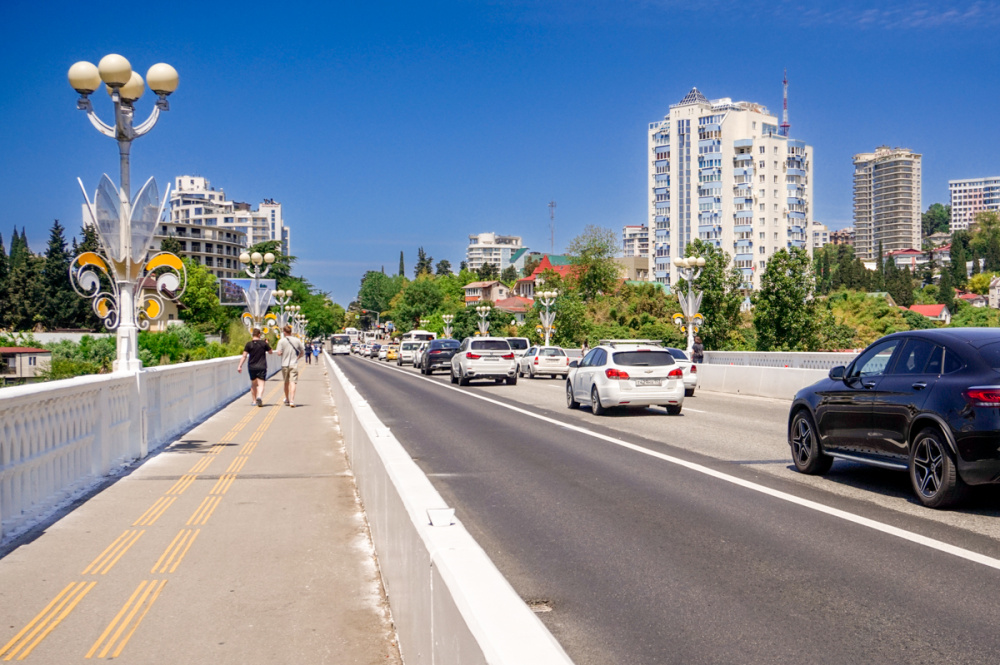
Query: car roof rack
x: 632, y: 342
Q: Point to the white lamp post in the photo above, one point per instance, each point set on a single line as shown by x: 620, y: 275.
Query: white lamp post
x: 690, y: 269
x: 283, y: 299
x: 125, y: 225
x: 484, y: 313
x: 448, y: 318
x: 547, y: 299
x: 423, y: 323
x: 256, y: 299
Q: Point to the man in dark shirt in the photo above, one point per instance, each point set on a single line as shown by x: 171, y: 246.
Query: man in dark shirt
x: 256, y: 350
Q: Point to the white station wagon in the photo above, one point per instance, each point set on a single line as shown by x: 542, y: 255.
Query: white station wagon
x: 626, y: 373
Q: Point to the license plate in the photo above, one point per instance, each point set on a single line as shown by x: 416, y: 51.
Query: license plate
x: 492, y: 360
x: 648, y: 382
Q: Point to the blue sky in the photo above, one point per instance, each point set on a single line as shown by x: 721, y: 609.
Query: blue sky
x: 386, y: 126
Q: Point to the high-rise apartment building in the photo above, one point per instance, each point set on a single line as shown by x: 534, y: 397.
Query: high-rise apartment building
x: 492, y: 248
x: 971, y: 197
x: 635, y: 241
x: 721, y: 171
x: 886, y: 201
x: 820, y: 235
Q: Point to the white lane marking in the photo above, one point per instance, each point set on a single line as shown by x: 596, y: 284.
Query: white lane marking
x: 688, y: 408
x: 888, y: 529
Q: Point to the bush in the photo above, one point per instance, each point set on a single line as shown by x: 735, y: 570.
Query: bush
x: 160, y: 346
x: 189, y: 337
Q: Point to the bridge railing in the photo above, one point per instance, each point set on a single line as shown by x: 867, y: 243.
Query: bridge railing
x: 791, y: 360
x: 57, y: 439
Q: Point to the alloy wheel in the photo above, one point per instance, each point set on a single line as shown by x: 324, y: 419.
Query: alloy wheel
x: 928, y: 466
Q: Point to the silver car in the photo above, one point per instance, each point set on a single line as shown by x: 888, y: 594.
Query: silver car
x: 406, y: 352
x: 625, y: 374
x: 543, y: 360
x: 418, y: 353
x: 484, y: 358
x: 690, y: 370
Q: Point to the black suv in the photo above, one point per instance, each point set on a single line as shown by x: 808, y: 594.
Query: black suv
x: 924, y: 401
x: 438, y: 355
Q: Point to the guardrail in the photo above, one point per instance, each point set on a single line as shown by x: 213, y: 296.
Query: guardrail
x: 793, y: 360
x: 57, y: 439
x: 450, y: 604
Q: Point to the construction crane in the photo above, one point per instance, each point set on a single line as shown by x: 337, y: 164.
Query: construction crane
x: 784, y: 113
x: 552, y: 227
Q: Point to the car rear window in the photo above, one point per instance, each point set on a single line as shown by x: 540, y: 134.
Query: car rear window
x: 445, y: 344
x: 551, y: 352
x: 518, y: 344
x: 490, y: 345
x: 643, y: 358
x: 677, y: 353
x: 990, y: 353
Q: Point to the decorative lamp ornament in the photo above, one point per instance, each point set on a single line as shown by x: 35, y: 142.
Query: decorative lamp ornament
x: 256, y: 258
x: 162, y: 78
x: 114, y: 70
x: 132, y: 90
x: 269, y: 258
x: 84, y: 77
x: 244, y: 258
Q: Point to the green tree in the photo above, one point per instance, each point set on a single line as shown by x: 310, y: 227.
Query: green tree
x: 200, y: 300
x: 84, y: 311
x: 488, y: 272
x: 59, y: 307
x: 419, y: 299
x: 172, y: 245
x: 443, y: 267
x: 509, y: 276
x: 721, y: 287
x: 424, y: 263
x: 783, y: 307
x: 530, y: 263
x: 593, y: 253
x: 402, y: 266
x: 960, y: 250
x: 18, y: 249
x: 26, y: 292
x: 937, y: 219
x: 377, y: 290
x: 281, y: 269
x: 946, y: 292
x: 980, y: 283
x: 4, y: 281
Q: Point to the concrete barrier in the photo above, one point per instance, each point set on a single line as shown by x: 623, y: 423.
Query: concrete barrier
x: 777, y: 382
x: 450, y: 604
x: 57, y: 439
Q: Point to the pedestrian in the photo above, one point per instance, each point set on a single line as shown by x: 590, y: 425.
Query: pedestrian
x: 316, y: 352
x: 256, y: 350
x: 697, y: 351
x: 291, y: 349
x: 309, y: 353
x: 584, y: 348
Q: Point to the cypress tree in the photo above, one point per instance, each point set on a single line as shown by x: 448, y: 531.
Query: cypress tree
x: 4, y: 280
x: 17, y: 250
x: 58, y: 308
x: 946, y: 292
x: 402, y: 266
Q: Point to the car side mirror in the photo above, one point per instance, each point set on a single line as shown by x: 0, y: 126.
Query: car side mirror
x: 837, y: 373
x: 575, y: 363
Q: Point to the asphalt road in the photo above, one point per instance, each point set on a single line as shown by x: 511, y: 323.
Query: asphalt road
x: 687, y: 539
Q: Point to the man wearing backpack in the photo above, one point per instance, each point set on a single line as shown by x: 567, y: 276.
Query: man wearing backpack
x: 291, y: 349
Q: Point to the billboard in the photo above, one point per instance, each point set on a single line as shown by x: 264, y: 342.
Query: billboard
x: 231, y: 290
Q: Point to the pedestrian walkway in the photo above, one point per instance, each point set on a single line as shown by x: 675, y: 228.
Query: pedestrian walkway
x: 242, y: 542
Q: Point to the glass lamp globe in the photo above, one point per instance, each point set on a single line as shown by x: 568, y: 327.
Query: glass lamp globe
x: 162, y: 78
x: 114, y: 69
x: 256, y: 258
x: 269, y: 258
x: 244, y: 258
x: 133, y: 90
x: 84, y: 77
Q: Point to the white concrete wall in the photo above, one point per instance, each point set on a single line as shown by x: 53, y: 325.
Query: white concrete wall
x: 450, y: 604
x: 777, y: 382
x: 57, y: 439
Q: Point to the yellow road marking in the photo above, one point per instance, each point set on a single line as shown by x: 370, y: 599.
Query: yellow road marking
x: 182, y: 484
x: 149, y: 517
x: 46, y: 620
x: 222, y: 485
x: 145, y: 591
x: 113, y: 553
x: 175, y: 551
x: 237, y: 464
x: 202, y: 464
x: 204, y: 511
x: 248, y: 448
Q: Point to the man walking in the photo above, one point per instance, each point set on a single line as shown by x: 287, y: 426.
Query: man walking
x: 309, y: 353
x: 291, y: 349
x: 256, y: 350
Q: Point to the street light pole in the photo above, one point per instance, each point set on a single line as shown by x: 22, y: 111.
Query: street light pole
x: 256, y: 301
x: 125, y: 225
x: 448, y: 318
x: 484, y: 313
x: 689, y: 269
x: 547, y: 299
x: 282, y: 298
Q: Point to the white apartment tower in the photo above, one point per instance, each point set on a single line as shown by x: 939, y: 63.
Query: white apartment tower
x: 491, y: 248
x: 635, y: 241
x: 886, y: 201
x: 971, y: 197
x: 721, y: 171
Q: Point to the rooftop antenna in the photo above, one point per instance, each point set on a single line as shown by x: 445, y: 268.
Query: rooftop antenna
x: 552, y: 227
x: 784, y: 113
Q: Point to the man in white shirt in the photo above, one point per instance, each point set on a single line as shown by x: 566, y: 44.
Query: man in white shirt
x: 291, y: 349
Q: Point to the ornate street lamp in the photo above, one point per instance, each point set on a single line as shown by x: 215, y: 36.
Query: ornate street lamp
x: 689, y: 322
x: 125, y: 225
x: 282, y: 299
x: 484, y: 313
x: 448, y: 318
x: 547, y: 299
x: 257, y: 300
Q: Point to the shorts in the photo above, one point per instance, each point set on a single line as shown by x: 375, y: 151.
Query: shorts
x: 258, y: 373
x: 290, y: 373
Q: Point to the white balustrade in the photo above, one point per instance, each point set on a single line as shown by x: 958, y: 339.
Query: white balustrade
x: 58, y: 439
x: 792, y: 360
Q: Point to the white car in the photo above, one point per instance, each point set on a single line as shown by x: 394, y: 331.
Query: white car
x: 382, y: 351
x: 690, y: 370
x: 484, y: 358
x: 406, y: 352
x: 547, y: 360
x: 418, y: 353
x: 626, y: 373
x: 519, y: 345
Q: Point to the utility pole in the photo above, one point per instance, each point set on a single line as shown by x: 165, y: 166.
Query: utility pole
x: 552, y: 227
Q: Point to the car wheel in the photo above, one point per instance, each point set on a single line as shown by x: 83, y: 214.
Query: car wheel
x: 511, y: 380
x: 531, y: 372
x: 688, y: 392
x: 933, y: 472
x: 804, y: 441
x: 462, y: 379
x: 454, y: 379
x: 595, y: 403
x: 674, y: 409
x: 571, y: 402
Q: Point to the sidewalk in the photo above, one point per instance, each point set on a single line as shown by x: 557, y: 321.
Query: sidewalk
x: 242, y: 542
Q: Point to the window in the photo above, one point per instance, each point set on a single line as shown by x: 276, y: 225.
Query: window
x: 643, y: 358
x: 873, y: 362
x: 762, y: 150
x: 919, y: 357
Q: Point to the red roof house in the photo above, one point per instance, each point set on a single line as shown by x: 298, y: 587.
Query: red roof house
x: 935, y: 312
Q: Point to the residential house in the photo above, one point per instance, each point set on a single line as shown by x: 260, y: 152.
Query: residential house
x: 559, y: 264
x: 21, y: 364
x: 973, y: 299
x: 934, y: 312
x: 478, y: 291
x: 516, y: 306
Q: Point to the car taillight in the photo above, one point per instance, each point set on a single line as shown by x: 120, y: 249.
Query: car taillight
x: 676, y: 373
x: 694, y: 369
x: 536, y: 360
x: 435, y: 351
x: 509, y: 356
x: 616, y: 374
x: 472, y: 356
x: 983, y: 396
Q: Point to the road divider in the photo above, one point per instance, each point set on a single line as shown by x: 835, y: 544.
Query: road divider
x: 777, y: 382
x: 449, y: 602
